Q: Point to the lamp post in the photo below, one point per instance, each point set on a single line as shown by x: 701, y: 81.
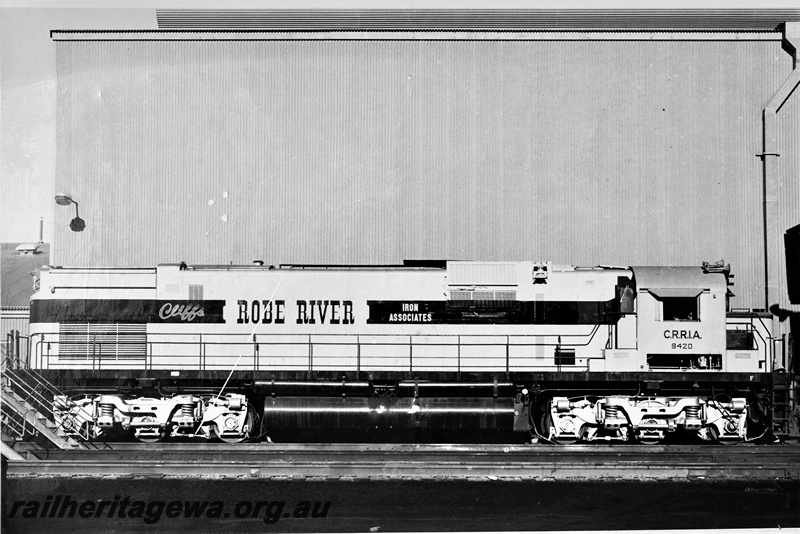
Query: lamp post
x: 77, y: 224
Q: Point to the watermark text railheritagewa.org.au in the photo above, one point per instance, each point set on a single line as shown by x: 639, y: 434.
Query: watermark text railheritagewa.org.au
x: 150, y: 512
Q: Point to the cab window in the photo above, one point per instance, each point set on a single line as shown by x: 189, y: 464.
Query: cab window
x: 680, y: 308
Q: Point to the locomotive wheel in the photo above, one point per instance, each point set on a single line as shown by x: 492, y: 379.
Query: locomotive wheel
x: 650, y: 440
x: 251, y: 419
x: 719, y: 441
x: 548, y: 430
x: 152, y: 438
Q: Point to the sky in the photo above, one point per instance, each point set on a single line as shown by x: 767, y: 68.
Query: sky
x: 28, y: 109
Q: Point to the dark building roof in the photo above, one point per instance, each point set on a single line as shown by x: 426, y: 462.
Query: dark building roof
x: 477, y: 19
x: 16, y: 282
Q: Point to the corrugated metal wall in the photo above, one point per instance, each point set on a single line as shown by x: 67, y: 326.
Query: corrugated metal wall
x: 611, y: 152
x: 11, y: 321
x: 788, y: 177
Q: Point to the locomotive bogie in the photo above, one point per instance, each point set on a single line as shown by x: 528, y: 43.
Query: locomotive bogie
x: 151, y: 419
x: 647, y: 420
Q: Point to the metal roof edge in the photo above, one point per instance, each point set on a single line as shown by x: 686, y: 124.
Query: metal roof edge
x: 238, y: 34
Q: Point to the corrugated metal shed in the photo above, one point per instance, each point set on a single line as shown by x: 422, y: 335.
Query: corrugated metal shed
x: 295, y: 151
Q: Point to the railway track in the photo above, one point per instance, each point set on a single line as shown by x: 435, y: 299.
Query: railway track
x: 416, y: 462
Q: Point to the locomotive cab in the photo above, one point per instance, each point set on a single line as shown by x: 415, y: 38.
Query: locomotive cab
x: 681, y: 318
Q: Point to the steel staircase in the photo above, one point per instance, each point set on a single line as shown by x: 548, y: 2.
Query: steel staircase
x: 783, y: 407
x: 26, y: 408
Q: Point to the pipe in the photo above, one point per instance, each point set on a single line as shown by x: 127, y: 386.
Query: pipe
x: 791, y: 41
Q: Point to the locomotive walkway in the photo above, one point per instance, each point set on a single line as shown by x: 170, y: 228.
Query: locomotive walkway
x: 416, y: 462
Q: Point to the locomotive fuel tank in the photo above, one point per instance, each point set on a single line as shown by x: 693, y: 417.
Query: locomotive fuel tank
x: 405, y: 405
x: 458, y: 413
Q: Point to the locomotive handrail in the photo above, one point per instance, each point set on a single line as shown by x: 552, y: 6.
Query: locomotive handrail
x: 768, y: 354
x: 96, y: 353
x: 758, y: 331
x: 589, y: 335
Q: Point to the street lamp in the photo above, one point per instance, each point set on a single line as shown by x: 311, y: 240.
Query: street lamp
x: 77, y: 224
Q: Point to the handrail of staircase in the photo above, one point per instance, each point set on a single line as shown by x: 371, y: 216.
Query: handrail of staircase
x: 15, y: 424
x: 36, y: 398
x: 29, y: 394
x: 18, y: 365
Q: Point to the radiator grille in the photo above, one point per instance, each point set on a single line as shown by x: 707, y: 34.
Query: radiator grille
x: 483, y: 295
x: 102, y: 341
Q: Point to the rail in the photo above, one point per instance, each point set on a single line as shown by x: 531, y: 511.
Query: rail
x: 318, y: 352
x: 403, y: 461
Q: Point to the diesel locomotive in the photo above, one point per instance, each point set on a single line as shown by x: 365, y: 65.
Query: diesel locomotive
x: 431, y: 348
